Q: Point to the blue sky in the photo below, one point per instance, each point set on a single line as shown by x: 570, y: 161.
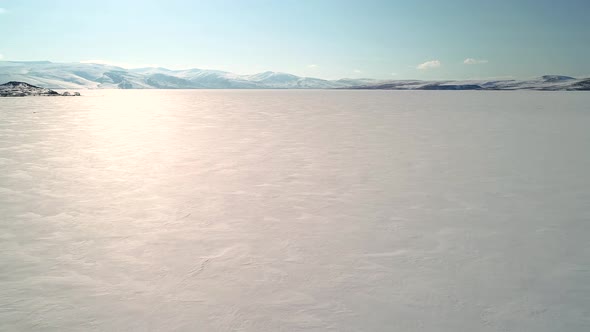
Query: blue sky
x: 391, y: 39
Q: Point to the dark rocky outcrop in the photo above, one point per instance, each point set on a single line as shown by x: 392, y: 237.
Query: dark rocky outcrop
x: 451, y: 87
x: 22, y: 89
x: 583, y: 85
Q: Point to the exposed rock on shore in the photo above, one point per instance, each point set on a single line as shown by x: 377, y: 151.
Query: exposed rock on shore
x: 22, y: 89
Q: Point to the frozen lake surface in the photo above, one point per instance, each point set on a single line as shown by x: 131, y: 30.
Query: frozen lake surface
x: 295, y: 211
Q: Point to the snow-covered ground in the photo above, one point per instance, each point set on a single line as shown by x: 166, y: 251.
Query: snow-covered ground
x: 295, y: 210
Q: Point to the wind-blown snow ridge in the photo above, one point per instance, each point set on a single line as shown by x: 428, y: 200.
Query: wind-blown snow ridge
x: 98, y: 76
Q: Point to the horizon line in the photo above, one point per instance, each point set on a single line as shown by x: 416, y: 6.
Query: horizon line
x: 100, y: 63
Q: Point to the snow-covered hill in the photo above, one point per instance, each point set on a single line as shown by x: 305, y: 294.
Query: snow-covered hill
x: 97, y: 76
x: 544, y: 83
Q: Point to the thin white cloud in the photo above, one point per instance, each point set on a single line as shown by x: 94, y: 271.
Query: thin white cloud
x: 312, y: 66
x: 1, y: 56
x: 3, y: 10
x: 472, y: 61
x: 393, y: 74
x: 118, y: 64
x: 357, y: 71
x: 429, y: 65
x: 97, y: 61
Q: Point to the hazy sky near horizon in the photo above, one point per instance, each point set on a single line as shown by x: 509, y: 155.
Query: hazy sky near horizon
x: 429, y: 39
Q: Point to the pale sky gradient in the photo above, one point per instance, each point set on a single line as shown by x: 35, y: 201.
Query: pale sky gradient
x: 427, y: 39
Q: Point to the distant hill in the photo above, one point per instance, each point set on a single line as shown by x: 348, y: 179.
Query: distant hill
x: 544, y: 83
x: 97, y: 76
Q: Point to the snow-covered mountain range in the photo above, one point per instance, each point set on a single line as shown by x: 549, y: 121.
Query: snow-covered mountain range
x: 98, y: 76
x: 543, y: 83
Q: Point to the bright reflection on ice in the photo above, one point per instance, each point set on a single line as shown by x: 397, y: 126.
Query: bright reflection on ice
x: 295, y: 210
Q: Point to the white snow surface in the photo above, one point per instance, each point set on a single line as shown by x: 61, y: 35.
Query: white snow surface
x: 256, y: 210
